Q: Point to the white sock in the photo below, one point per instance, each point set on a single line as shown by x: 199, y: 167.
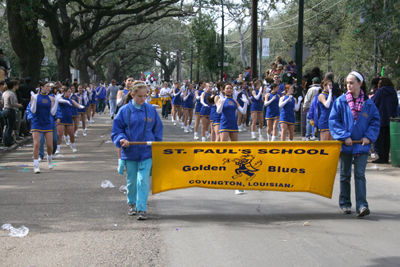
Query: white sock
x: 49, y: 157
x: 203, y: 139
x: 240, y: 126
x: 273, y: 138
x: 58, y: 147
x: 207, y: 133
x: 73, y: 145
x: 260, y: 131
x: 253, y: 133
x: 196, y: 134
x: 290, y: 140
x: 36, y: 162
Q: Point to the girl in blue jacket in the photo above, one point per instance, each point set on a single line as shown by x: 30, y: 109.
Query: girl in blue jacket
x: 354, y: 117
x: 136, y: 121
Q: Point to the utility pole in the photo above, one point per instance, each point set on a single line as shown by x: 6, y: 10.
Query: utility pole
x: 222, y: 42
x: 260, y: 49
x: 254, y: 4
x: 191, y: 64
x: 300, y: 123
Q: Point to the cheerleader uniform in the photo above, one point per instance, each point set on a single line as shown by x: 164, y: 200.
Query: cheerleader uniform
x: 93, y: 99
x: 41, y: 121
x: 188, y: 103
x: 87, y: 94
x: 323, y: 120
x: 239, y: 97
x: 273, y: 108
x: 228, y: 121
x: 256, y: 105
x: 177, y: 100
x: 66, y: 111
x: 205, y: 111
x: 198, y: 104
x: 74, y: 109
x: 217, y: 117
x: 287, y: 113
x: 213, y: 112
x: 82, y: 110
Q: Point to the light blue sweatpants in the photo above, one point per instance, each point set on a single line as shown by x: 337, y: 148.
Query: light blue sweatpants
x: 138, y: 182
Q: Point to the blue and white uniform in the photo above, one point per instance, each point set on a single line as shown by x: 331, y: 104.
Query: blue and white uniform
x: 273, y: 108
x: 205, y: 111
x: 188, y: 103
x: 41, y: 121
x: 287, y: 113
x: 228, y: 121
x: 93, y: 97
x: 67, y: 112
x: 75, y: 112
x: 82, y: 110
x: 177, y: 100
x: 239, y: 97
x: 323, y: 120
x: 217, y: 117
x: 256, y: 105
x: 198, y: 103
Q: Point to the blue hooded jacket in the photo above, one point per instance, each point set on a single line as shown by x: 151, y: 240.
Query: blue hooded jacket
x: 313, y: 111
x: 385, y: 99
x: 136, y: 130
x: 343, y: 126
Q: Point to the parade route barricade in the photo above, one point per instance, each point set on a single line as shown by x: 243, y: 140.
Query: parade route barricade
x: 274, y: 166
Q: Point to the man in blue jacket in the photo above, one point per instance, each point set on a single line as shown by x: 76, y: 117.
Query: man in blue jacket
x: 386, y: 101
x: 101, y: 92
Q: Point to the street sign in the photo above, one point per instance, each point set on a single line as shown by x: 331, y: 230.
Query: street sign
x: 292, y: 53
x: 225, y: 64
x: 265, y: 47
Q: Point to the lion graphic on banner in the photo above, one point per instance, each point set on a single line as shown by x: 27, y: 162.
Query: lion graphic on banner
x: 245, y: 164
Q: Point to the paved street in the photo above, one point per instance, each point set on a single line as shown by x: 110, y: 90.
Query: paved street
x: 73, y: 221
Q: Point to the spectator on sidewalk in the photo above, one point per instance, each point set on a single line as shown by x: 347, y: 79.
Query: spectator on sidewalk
x: 10, y: 104
x: 311, y: 93
x: 386, y: 101
x: 112, y: 95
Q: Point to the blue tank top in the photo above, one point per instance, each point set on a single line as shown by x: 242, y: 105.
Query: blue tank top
x: 188, y: 103
x: 66, y: 110
x: 287, y: 113
x: 257, y: 104
x: 41, y: 119
x: 323, y: 111
x: 228, y: 117
x: 177, y: 100
x: 126, y: 91
x: 273, y: 107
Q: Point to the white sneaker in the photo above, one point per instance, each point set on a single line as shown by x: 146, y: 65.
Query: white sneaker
x: 208, y: 136
x: 57, y: 152
x: 244, y: 128
x: 373, y: 155
x: 84, y: 134
x: 261, y: 138
x: 91, y: 120
x: 239, y: 192
x: 313, y: 138
x: 196, y: 137
x: 40, y: 159
x: 76, y: 134
x: 74, y: 150
x: 190, y: 130
x: 279, y: 133
x: 50, y: 163
x: 174, y: 123
x: 306, y: 139
x: 80, y: 124
x: 90, y: 124
x: 253, y: 135
x: 182, y: 127
x: 186, y: 131
x: 67, y: 142
x: 36, y: 169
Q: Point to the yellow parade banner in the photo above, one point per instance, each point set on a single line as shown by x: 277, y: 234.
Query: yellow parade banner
x: 276, y: 166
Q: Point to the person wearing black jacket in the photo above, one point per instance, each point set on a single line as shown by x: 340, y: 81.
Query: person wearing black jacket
x: 385, y: 99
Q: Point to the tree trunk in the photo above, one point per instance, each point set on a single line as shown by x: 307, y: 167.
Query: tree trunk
x: 25, y: 41
x: 63, y: 60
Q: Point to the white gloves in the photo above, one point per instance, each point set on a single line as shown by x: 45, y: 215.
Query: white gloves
x: 203, y: 103
x: 329, y: 99
x: 221, y: 106
x: 81, y: 106
x: 297, y: 106
x: 283, y: 103
x: 244, y: 99
x: 266, y: 103
x: 63, y: 101
x: 34, y: 102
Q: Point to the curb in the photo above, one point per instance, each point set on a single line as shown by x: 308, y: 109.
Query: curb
x: 25, y: 141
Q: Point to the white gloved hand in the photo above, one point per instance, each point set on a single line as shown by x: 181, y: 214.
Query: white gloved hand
x: 300, y: 98
x: 244, y: 99
x: 290, y: 97
x: 267, y: 90
x: 81, y: 106
x: 57, y: 97
x: 63, y: 101
x: 330, y: 89
x: 34, y: 95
